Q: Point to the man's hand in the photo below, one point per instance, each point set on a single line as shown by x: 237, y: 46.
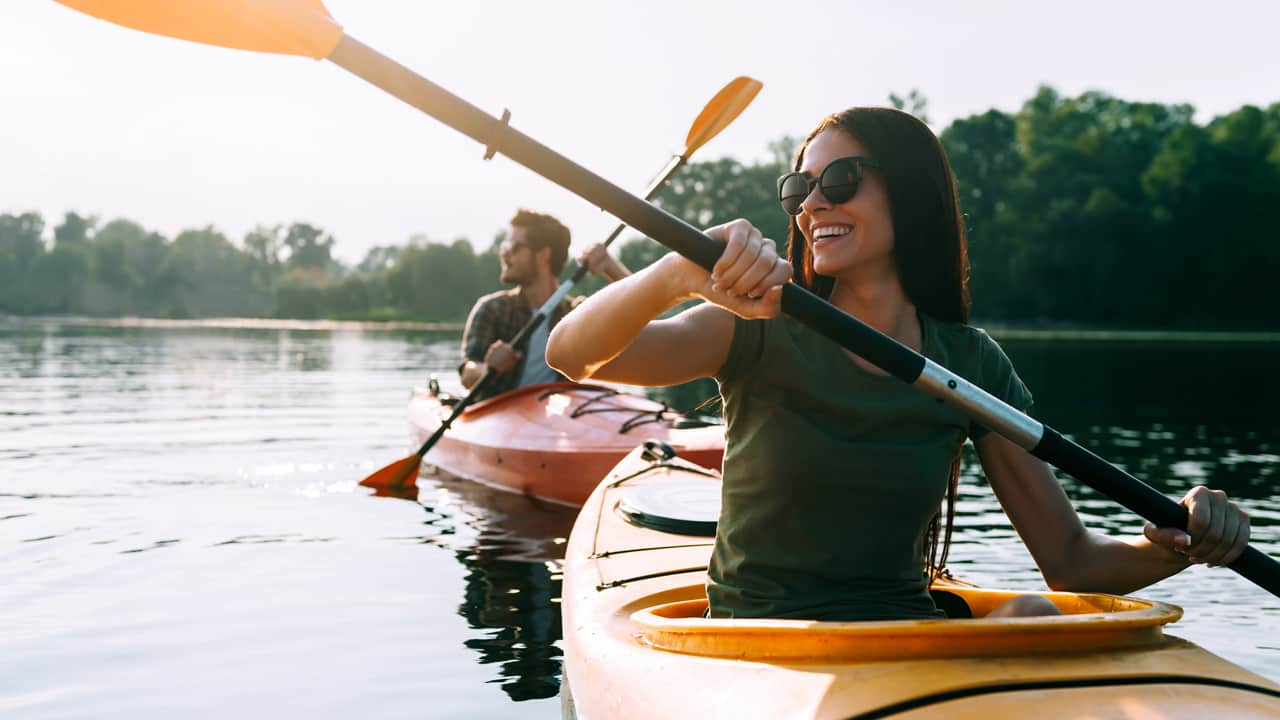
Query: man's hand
x: 501, y: 357
x: 597, y: 260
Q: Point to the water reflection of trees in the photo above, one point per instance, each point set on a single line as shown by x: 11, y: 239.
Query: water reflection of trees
x: 511, y: 546
x: 1173, y: 414
x: 517, y: 602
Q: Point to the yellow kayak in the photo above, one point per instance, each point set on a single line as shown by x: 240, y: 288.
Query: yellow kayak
x: 637, y: 646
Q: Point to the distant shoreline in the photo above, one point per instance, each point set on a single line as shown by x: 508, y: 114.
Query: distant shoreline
x: 1000, y: 333
x: 1139, y: 336
x: 233, y: 323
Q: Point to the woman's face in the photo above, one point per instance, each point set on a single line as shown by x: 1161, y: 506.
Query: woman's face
x: 855, y: 236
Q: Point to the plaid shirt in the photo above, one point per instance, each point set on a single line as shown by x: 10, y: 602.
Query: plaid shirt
x: 499, y: 316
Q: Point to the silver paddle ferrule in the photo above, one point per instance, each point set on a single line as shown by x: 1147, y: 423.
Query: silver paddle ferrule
x: 556, y: 298
x: 984, y: 408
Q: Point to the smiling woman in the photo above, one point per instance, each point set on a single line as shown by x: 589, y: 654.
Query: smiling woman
x: 800, y: 413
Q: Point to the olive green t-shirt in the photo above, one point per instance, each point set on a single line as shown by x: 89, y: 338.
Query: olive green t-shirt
x: 832, y: 473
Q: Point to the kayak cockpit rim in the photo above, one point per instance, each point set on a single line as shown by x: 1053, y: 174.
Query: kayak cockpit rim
x: 1091, y: 622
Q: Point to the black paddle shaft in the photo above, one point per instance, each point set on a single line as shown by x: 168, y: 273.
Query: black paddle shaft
x: 867, y: 342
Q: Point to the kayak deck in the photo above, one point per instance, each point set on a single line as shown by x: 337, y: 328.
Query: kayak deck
x: 553, y: 441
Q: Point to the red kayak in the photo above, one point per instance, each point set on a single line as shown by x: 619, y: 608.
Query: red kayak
x: 554, y: 441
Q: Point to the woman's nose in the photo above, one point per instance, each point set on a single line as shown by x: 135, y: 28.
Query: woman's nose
x: 814, y: 200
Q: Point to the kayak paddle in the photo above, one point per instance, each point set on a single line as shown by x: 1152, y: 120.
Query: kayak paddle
x: 716, y: 116
x: 304, y: 27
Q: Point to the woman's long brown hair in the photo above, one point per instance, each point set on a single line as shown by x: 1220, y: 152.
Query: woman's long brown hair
x: 929, y: 246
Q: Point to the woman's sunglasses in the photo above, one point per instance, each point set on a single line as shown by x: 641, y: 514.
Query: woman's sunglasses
x: 838, y: 182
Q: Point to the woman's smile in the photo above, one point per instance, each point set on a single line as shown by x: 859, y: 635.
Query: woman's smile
x: 829, y: 231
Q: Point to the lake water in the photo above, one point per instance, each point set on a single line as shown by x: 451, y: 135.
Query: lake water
x: 182, y: 535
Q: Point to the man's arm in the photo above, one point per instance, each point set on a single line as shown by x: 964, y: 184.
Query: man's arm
x: 477, y: 338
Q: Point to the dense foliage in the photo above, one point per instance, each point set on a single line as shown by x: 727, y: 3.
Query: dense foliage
x: 1086, y: 210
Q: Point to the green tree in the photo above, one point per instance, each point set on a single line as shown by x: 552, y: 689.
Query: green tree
x: 1214, y: 196
x: 303, y: 293
x: 716, y: 191
x: 264, y: 244
x: 127, y: 277
x: 211, y: 277
x: 914, y: 102
x: 74, y: 229
x: 21, y: 248
x: 57, y: 279
x: 438, y: 282
x: 309, y: 246
x: 988, y: 164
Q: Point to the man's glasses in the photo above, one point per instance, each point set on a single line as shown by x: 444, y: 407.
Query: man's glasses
x: 510, y: 248
x: 838, y: 182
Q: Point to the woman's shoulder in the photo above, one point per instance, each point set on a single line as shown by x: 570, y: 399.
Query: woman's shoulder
x: 972, y: 352
x: 953, y: 334
x: 957, y: 334
x: 961, y: 344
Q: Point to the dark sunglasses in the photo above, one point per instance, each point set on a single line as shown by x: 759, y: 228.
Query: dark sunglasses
x: 510, y: 248
x: 839, y: 183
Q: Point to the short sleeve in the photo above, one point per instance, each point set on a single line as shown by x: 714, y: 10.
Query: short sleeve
x: 745, y: 349
x: 479, y: 332
x: 998, y: 377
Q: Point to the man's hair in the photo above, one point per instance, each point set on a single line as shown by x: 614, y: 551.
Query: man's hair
x: 542, y: 231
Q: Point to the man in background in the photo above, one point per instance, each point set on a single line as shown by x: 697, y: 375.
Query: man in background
x: 532, y: 256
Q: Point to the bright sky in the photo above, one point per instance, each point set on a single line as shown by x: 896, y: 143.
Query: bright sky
x: 174, y: 135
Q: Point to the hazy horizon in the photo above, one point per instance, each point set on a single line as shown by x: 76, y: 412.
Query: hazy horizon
x: 173, y: 135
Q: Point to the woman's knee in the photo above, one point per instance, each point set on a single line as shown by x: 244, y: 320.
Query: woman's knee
x: 1025, y: 606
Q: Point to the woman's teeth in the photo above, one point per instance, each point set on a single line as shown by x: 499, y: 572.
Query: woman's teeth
x: 831, y: 231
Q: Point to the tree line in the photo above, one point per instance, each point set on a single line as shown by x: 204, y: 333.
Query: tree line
x: 1081, y: 211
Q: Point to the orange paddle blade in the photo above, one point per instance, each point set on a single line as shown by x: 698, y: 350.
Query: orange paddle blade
x: 727, y: 105
x: 400, y: 474
x: 285, y: 27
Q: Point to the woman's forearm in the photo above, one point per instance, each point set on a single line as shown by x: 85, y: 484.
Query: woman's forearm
x: 1118, y: 565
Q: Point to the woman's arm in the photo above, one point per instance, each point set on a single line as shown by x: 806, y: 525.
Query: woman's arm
x: 1073, y: 558
x: 614, y: 336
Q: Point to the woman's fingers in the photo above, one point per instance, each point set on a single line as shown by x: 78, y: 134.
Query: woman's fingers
x: 742, y: 248
x: 1203, y: 525
x: 748, y: 283
x: 1172, y: 538
x: 768, y: 305
x: 777, y: 275
x: 1226, y: 531
x: 1241, y: 541
x: 1217, y: 529
x: 747, y: 279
